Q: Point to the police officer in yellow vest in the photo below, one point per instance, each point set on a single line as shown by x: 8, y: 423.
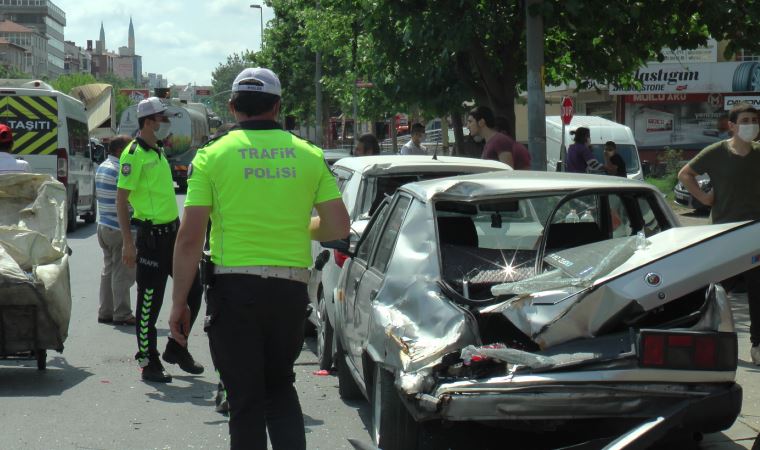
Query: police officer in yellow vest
x: 259, y: 184
x: 145, y: 181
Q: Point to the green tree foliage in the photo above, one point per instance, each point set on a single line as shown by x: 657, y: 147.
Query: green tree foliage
x: 10, y: 72
x: 222, y: 78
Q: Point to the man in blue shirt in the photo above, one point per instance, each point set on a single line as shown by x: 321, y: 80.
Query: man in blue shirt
x: 117, y: 278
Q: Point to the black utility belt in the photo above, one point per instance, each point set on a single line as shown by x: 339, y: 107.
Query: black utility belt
x: 164, y: 228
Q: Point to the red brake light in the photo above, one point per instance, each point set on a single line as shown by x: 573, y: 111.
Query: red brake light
x: 654, y: 350
x: 706, y: 353
x: 688, y: 350
x: 62, y: 166
x: 340, y: 258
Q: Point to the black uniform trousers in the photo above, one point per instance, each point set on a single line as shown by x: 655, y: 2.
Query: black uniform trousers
x: 255, y: 331
x: 155, y: 252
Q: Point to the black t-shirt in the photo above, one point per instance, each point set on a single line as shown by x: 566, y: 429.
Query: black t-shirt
x: 617, y: 160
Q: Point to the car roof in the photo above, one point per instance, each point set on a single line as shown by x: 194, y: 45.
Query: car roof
x: 470, y: 187
x: 401, y: 163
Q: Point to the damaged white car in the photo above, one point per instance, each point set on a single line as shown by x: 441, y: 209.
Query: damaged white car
x: 534, y: 299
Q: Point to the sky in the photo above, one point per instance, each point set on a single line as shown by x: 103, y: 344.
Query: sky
x: 183, y: 40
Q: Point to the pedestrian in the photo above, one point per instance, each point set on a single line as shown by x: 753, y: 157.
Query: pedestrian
x: 613, y: 162
x: 261, y: 183
x: 8, y: 162
x: 116, y: 278
x: 733, y: 166
x: 145, y: 183
x: 414, y: 146
x: 366, y: 145
x: 520, y: 154
x: 579, y: 156
x: 498, y: 146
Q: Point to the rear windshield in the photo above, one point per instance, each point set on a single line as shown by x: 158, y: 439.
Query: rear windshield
x: 377, y: 188
x: 627, y: 151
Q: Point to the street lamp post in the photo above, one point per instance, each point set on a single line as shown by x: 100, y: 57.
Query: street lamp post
x: 261, y: 17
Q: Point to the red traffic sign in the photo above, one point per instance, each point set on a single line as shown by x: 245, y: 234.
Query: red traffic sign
x: 567, y: 110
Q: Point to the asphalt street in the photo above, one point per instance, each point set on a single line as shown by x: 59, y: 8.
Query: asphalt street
x: 91, y: 395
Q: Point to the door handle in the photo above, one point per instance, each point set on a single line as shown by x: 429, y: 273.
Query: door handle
x: 373, y: 294
x: 356, y: 284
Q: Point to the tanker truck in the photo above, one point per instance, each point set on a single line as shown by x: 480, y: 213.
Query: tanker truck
x: 190, y: 129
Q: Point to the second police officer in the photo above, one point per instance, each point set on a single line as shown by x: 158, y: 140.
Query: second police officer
x: 145, y: 182
x: 259, y: 184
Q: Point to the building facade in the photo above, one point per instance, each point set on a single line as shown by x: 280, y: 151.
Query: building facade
x: 34, y: 45
x: 77, y: 60
x: 12, y: 56
x: 47, y: 19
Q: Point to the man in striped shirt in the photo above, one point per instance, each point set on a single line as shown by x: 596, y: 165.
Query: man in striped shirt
x: 116, y: 278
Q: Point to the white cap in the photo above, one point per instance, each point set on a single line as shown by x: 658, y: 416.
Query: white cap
x: 265, y: 81
x: 150, y: 106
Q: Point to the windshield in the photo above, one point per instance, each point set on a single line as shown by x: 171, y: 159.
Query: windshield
x: 484, y: 244
x: 628, y: 152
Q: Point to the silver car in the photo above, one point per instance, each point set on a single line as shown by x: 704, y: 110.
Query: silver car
x: 364, y: 182
x: 534, y: 299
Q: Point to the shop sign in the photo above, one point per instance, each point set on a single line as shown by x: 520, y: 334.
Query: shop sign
x: 733, y: 100
x: 696, y: 78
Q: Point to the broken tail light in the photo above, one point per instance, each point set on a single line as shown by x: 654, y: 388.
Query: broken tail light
x: 62, y: 166
x: 340, y: 258
x: 688, y: 350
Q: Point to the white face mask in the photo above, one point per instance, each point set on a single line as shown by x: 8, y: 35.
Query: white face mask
x: 748, y: 131
x: 163, y: 130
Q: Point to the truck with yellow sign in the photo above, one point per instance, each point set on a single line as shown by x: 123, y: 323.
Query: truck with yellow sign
x: 50, y: 132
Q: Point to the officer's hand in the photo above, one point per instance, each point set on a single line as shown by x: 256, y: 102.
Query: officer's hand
x: 179, y: 323
x: 129, y: 254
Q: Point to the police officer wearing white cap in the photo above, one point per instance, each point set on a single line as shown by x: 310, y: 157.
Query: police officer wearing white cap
x: 145, y: 182
x: 259, y: 185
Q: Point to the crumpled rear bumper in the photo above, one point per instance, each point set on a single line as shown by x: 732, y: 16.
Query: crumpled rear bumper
x: 709, y: 407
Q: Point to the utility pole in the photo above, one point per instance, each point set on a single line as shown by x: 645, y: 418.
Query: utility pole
x: 534, y: 35
x: 318, y: 90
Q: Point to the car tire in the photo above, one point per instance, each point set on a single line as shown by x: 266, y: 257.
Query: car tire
x: 747, y: 77
x: 324, y: 334
x: 347, y: 388
x: 93, y: 214
x: 71, y: 224
x: 393, y: 427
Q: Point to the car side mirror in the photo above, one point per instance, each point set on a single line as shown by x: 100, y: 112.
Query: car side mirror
x: 341, y: 245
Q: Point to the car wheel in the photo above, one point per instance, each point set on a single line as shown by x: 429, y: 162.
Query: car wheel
x: 324, y: 334
x: 93, y: 214
x: 747, y: 77
x: 71, y: 224
x: 347, y: 388
x: 393, y: 428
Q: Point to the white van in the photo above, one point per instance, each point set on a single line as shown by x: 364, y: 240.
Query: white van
x: 50, y: 133
x: 602, y: 130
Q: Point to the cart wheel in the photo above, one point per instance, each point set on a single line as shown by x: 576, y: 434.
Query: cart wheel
x: 41, y: 359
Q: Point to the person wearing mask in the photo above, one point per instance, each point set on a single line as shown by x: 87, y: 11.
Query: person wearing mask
x: 366, y: 145
x: 733, y: 166
x: 498, y: 146
x: 262, y: 184
x: 8, y: 162
x: 414, y: 146
x: 145, y: 183
x: 613, y: 162
x: 116, y: 278
x: 579, y: 156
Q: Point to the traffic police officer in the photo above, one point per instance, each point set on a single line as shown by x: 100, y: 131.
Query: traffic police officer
x: 145, y: 181
x: 259, y: 184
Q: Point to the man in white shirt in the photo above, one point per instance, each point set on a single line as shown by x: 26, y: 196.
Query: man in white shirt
x: 8, y: 162
x: 414, y: 146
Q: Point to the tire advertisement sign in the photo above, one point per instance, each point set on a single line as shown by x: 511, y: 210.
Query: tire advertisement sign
x: 722, y: 77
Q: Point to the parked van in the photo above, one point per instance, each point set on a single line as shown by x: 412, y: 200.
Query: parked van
x: 602, y: 130
x: 50, y: 132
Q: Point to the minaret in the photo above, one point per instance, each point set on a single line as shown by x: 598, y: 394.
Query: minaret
x: 102, y: 40
x: 131, y: 41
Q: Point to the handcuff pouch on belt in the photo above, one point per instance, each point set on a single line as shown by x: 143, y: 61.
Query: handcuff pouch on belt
x: 207, y: 270
x: 144, y: 235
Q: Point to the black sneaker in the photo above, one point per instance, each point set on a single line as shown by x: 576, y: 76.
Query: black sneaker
x: 177, y: 354
x: 154, y: 371
x: 222, y: 405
